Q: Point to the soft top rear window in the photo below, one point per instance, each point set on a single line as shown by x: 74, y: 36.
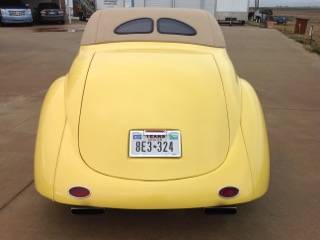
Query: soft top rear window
x: 176, y: 27
x: 135, y: 26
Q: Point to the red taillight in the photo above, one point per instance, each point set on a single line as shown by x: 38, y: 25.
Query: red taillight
x: 79, y: 192
x: 228, y: 192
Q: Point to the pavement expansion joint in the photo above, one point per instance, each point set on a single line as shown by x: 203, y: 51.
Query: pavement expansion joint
x: 16, y: 195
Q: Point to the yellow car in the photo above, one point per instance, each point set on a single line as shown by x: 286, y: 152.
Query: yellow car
x: 151, y: 115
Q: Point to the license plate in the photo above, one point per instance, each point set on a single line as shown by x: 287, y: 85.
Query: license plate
x: 150, y: 143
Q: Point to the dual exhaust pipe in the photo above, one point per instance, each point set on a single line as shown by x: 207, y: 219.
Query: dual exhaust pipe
x: 209, y: 211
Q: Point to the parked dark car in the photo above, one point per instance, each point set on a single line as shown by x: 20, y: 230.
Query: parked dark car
x: 50, y: 12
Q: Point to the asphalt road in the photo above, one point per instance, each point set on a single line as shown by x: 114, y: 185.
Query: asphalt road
x: 287, y: 79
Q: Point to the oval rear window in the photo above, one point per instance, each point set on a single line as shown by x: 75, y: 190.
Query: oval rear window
x: 135, y: 26
x: 176, y: 27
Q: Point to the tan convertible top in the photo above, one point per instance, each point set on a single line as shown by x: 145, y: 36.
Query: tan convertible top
x: 101, y: 26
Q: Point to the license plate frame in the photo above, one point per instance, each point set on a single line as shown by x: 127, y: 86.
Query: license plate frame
x: 164, y: 144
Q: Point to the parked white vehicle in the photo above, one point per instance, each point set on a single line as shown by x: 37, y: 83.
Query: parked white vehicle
x: 232, y: 11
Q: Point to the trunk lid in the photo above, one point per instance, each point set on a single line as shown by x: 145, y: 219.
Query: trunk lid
x: 153, y: 89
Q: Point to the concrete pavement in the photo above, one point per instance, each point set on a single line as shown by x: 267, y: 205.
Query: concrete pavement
x: 286, y: 78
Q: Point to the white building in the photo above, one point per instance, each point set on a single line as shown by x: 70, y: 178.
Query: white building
x: 221, y: 9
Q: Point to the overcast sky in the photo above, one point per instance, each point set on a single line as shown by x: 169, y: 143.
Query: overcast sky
x: 291, y: 3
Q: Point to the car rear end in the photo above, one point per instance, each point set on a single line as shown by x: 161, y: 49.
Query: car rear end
x: 155, y: 136
x: 50, y: 12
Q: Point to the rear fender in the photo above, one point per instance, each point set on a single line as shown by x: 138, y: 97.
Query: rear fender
x: 255, y: 138
x: 50, y: 132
